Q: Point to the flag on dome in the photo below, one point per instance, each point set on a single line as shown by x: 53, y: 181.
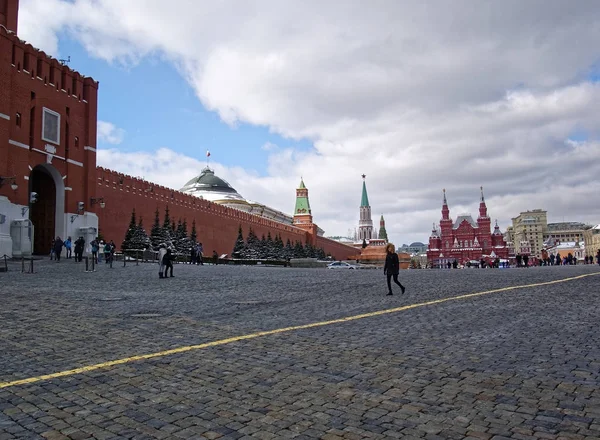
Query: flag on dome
x: 207, y: 153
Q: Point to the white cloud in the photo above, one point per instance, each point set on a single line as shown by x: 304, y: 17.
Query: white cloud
x: 109, y: 133
x: 417, y: 95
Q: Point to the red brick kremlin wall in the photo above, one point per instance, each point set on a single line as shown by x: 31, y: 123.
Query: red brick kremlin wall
x: 217, y: 226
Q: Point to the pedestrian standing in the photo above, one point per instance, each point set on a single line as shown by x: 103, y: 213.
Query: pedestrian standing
x: 168, y: 263
x: 107, y: 251
x: 392, y: 268
x: 79, y: 246
x: 200, y: 254
x: 95, y: 245
x: 68, y: 245
x: 58, y: 245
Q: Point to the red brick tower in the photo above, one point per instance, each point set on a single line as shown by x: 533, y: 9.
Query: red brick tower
x: 446, y: 222
x: 9, y: 14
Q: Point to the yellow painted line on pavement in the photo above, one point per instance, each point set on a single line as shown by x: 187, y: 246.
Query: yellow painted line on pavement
x: 185, y: 349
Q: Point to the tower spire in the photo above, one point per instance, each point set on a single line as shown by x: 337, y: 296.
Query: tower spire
x: 445, y: 209
x: 365, y: 198
x: 365, y: 224
x: 482, y: 206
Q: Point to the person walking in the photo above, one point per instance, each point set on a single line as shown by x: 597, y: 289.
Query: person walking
x: 68, y: 245
x: 58, y: 245
x: 168, y: 263
x: 95, y: 245
x: 79, y: 246
x: 107, y: 250
x: 392, y: 268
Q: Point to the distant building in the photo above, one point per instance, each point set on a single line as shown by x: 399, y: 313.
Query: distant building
x: 591, y: 238
x: 575, y: 248
x: 414, y: 248
x: 465, y: 239
x: 564, y: 231
x: 528, y: 231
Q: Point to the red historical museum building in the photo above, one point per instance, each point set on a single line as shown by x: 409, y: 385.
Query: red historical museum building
x: 465, y: 240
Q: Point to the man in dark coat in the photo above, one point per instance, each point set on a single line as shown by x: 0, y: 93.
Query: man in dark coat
x: 79, y: 245
x: 58, y: 245
x: 392, y: 267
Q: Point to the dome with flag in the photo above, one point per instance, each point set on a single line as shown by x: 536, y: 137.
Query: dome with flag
x: 213, y: 188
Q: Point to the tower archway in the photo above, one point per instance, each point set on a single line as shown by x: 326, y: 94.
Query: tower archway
x: 48, y: 213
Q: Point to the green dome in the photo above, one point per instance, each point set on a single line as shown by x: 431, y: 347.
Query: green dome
x: 208, y: 181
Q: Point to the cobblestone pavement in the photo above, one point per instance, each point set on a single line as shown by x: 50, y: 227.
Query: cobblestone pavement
x: 519, y: 364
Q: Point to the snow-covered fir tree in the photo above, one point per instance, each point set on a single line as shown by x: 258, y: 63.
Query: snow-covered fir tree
x: 240, y: 245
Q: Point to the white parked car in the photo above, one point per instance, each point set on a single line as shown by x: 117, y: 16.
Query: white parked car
x: 341, y: 265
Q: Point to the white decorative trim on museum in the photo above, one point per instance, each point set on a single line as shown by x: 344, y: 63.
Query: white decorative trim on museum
x: 3, y: 116
x: 18, y: 144
x: 87, y: 147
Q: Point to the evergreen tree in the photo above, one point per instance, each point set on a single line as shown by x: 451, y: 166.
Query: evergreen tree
x: 271, y: 248
x: 240, y: 245
x: 194, y: 234
x: 321, y: 254
x: 309, y: 251
x: 185, y: 234
x: 181, y: 241
x: 131, y: 230
x: 288, y: 251
x: 167, y: 220
x: 299, y: 250
x: 262, y: 248
x: 157, y: 233
x: 279, y: 248
x: 143, y: 239
x: 179, y: 233
x: 252, y: 245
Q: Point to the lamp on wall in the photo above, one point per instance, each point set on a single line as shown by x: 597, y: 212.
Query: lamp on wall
x: 98, y: 200
x: 12, y: 180
x: 80, y: 209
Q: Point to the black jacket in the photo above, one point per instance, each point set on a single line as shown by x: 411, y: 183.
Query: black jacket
x: 392, y: 264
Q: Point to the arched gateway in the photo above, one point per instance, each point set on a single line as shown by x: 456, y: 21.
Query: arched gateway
x: 47, y: 212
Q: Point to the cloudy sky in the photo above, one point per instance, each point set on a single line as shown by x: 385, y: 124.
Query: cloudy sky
x: 419, y: 96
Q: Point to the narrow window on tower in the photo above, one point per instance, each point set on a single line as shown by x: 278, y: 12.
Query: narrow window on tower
x: 39, y: 70
x: 76, y: 142
x: 53, y: 75
x: 18, y: 119
x: 50, y: 126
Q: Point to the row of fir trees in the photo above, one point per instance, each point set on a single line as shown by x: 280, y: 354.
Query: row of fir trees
x: 269, y: 248
x: 172, y: 235
x: 175, y: 236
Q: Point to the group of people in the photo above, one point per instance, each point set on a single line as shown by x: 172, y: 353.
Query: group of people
x: 196, y: 254
x: 98, y: 247
x: 58, y: 244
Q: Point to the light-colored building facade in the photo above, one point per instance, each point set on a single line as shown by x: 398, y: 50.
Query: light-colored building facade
x: 564, y: 232
x: 528, y: 231
x: 591, y: 238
